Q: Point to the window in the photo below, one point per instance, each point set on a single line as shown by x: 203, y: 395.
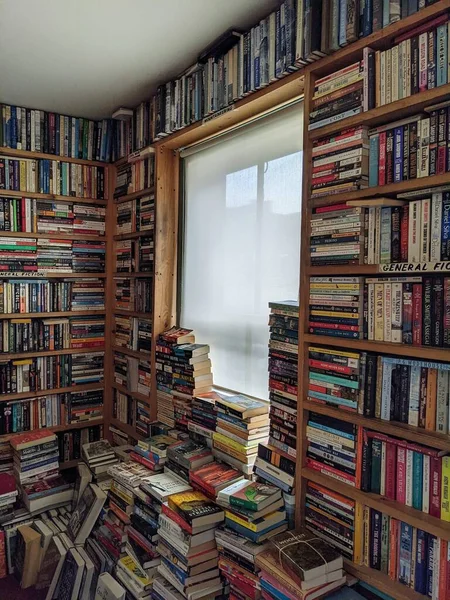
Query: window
x: 241, y: 244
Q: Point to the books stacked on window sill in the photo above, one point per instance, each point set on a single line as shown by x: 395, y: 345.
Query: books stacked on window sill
x: 203, y: 421
x: 186, y: 456
x: 183, y: 371
x: 242, y: 423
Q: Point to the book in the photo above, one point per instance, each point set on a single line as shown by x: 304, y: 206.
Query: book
x: 27, y: 555
x: 85, y: 515
x: 249, y: 495
x: 196, y: 509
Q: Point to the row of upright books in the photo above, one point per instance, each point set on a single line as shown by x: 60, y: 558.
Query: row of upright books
x: 50, y: 372
x: 134, y: 294
x: 390, y: 388
x: 133, y: 333
x: 40, y: 296
x: 53, y: 177
x: 35, y: 335
x: 45, y: 216
x: 416, y: 62
x: 136, y: 215
x: 26, y: 255
x: 42, y: 131
x: 135, y: 176
x: 132, y: 373
x: 134, y: 255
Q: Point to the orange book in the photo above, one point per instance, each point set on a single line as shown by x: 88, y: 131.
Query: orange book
x: 430, y: 414
x: 393, y: 549
x: 443, y: 584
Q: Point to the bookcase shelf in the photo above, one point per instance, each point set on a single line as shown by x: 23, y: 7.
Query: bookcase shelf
x: 133, y: 275
x: 49, y: 275
x: 58, y: 428
x: 52, y: 236
x: 73, y: 388
x: 410, y: 515
x: 39, y: 196
x: 18, y: 355
x: 135, y: 195
x: 389, y: 112
x: 128, y: 429
x: 134, y: 353
x: 132, y: 313
x: 374, y: 270
x: 419, y: 352
x: 43, y: 315
x: 33, y: 155
x: 417, y: 435
x: 69, y: 464
x: 382, y: 582
x: 135, y: 395
x: 132, y: 236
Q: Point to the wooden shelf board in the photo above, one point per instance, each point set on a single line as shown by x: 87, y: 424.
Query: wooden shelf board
x: 382, y: 582
x: 50, y: 275
x: 373, y: 270
x: 134, y: 235
x: 419, y: 352
x: 125, y: 428
x: 389, y: 112
x: 141, y: 354
x: 384, y: 190
x: 59, y: 198
x: 132, y: 313
x: 135, y: 395
x: 69, y: 464
x: 432, y: 439
x: 59, y: 428
x: 134, y: 195
x: 410, y: 515
x: 52, y: 236
x: 133, y: 275
x: 19, y: 355
x: 378, y: 40
x: 73, y: 388
x: 43, y: 315
x: 29, y: 154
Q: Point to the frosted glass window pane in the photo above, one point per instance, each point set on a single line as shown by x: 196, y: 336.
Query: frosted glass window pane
x: 241, y: 244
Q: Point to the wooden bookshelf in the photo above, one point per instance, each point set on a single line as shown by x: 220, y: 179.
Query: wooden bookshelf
x: 18, y: 355
x: 51, y: 315
x: 132, y: 313
x: 135, y: 395
x: 59, y: 428
x: 13, y: 153
x: 126, y: 428
x: 140, y: 274
x: 52, y: 236
x: 37, y: 394
x: 39, y: 196
x: 135, y: 195
x: 141, y: 354
x: 382, y: 582
x: 132, y: 236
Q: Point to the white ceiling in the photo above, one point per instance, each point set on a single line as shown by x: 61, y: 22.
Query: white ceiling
x: 88, y: 57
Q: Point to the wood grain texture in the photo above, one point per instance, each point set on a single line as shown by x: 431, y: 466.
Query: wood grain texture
x: 33, y: 155
x: 39, y: 196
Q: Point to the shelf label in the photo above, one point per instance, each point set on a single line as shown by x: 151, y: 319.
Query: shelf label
x: 428, y: 267
x: 218, y: 113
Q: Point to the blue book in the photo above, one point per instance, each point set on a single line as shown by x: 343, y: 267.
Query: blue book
x: 441, y: 58
x: 273, y: 591
x: 405, y: 554
x: 398, y: 154
x: 374, y: 153
x: 77, y: 139
x: 417, y: 480
x: 430, y: 563
x: 420, y: 583
x: 367, y: 18
x: 13, y: 127
x: 386, y: 12
x: 343, y: 22
x: 333, y: 399
x: 251, y: 535
x: 349, y: 436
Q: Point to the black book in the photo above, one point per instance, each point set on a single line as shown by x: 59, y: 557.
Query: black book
x: 437, y: 310
x: 371, y: 385
x: 404, y: 393
x: 375, y: 539
x: 415, y: 64
x: 433, y: 142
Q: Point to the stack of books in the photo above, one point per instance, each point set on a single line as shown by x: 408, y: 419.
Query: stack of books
x: 338, y: 235
x: 89, y: 219
x: 87, y: 332
x: 36, y: 469
x: 152, y: 452
x: 142, y: 418
x: 331, y: 153
x: 338, y: 96
x: 187, y: 524
x: 87, y: 294
x: 183, y: 371
x: 99, y: 456
x: 29, y: 335
x: 337, y: 292
x: 242, y: 423
x: 6, y: 457
x: 332, y: 448
x: 126, y: 217
x: 203, y: 421
x: 146, y: 213
x: 70, y: 443
x: 8, y: 493
x: 187, y: 456
x: 18, y: 254
x: 86, y: 368
x: 54, y: 256
x: 145, y: 257
x: 213, y: 477
x: 135, y: 176
x: 84, y: 406
x: 125, y: 253
x: 253, y: 510
x: 299, y: 566
x: 88, y: 256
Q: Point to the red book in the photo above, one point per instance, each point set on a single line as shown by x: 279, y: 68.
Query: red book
x: 144, y: 461
x: 382, y: 159
x: 404, y: 232
x: 444, y: 591
x: 391, y: 471
x: 32, y: 438
x: 7, y: 484
x: 435, y: 486
x: 401, y: 474
x: 177, y: 518
x: 332, y: 472
x: 393, y: 549
x: 214, y: 476
x: 333, y: 207
x: 417, y: 314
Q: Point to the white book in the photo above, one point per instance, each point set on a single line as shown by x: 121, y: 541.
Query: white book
x: 87, y: 581
x: 426, y: 484
x: 407, y: 69
x: 388, y: 70
x: 371, y: 311
x: 435, y: 227
x: 395, y: 73
x: 414, y: 396
x: 414, y: 229
x: 386, y: 391
x: 442, y: 403
x: 85, y: 515
x: 423, y: 148
x: 409, y: 477
x: 436, y: 568
x: 382, y: 78
x: 109, y: 589
x: 396, y: 312
x: 425, y: 219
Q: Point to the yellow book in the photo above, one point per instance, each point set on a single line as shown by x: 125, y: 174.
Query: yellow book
x: 261, y: 523
x: 358, y: 542
x: 24, y: 361
x: 366, y: 536
x: 334, y: 352
x: 340, y: 315
x: 231, y: 443
x: 230, y: 451
x: 23, y: 176
x: 118, y: 492
x: 379, y: 312
x: 131, y: 567
x: 445, y: 492
x: 335, y: 286
x: 17, y: 321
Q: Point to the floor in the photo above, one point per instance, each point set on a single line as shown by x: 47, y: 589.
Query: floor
x: 10, y: 590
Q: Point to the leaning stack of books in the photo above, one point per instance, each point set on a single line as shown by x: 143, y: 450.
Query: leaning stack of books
x: 299, y: 565
x: 99, y: 456
x: 242, y: 423
x: 187, y: 456
x: 183, y: 371
x: 338, y: 96
x: 213, y: 477
x: 331, y: 153
x: 188, y: 521
x: 203, y: 421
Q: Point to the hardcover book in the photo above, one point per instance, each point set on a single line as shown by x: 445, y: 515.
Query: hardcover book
x: 196, y: 509
x: 249, y: 495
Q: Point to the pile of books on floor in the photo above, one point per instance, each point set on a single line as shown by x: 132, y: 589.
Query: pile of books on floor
x: 330, y: 161
x: 185, y: 456
x: 8, y: 493
x: 183, y: 371
x: 99, y: 456
x: 36, y: 469
x: 6, y: 457
x: 338, y: 96
x: 242, y: 423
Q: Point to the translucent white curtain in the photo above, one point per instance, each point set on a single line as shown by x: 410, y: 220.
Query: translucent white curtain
x: 242, y: 243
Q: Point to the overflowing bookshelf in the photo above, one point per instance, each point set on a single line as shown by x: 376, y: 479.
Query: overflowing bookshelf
x: 52, y: 296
